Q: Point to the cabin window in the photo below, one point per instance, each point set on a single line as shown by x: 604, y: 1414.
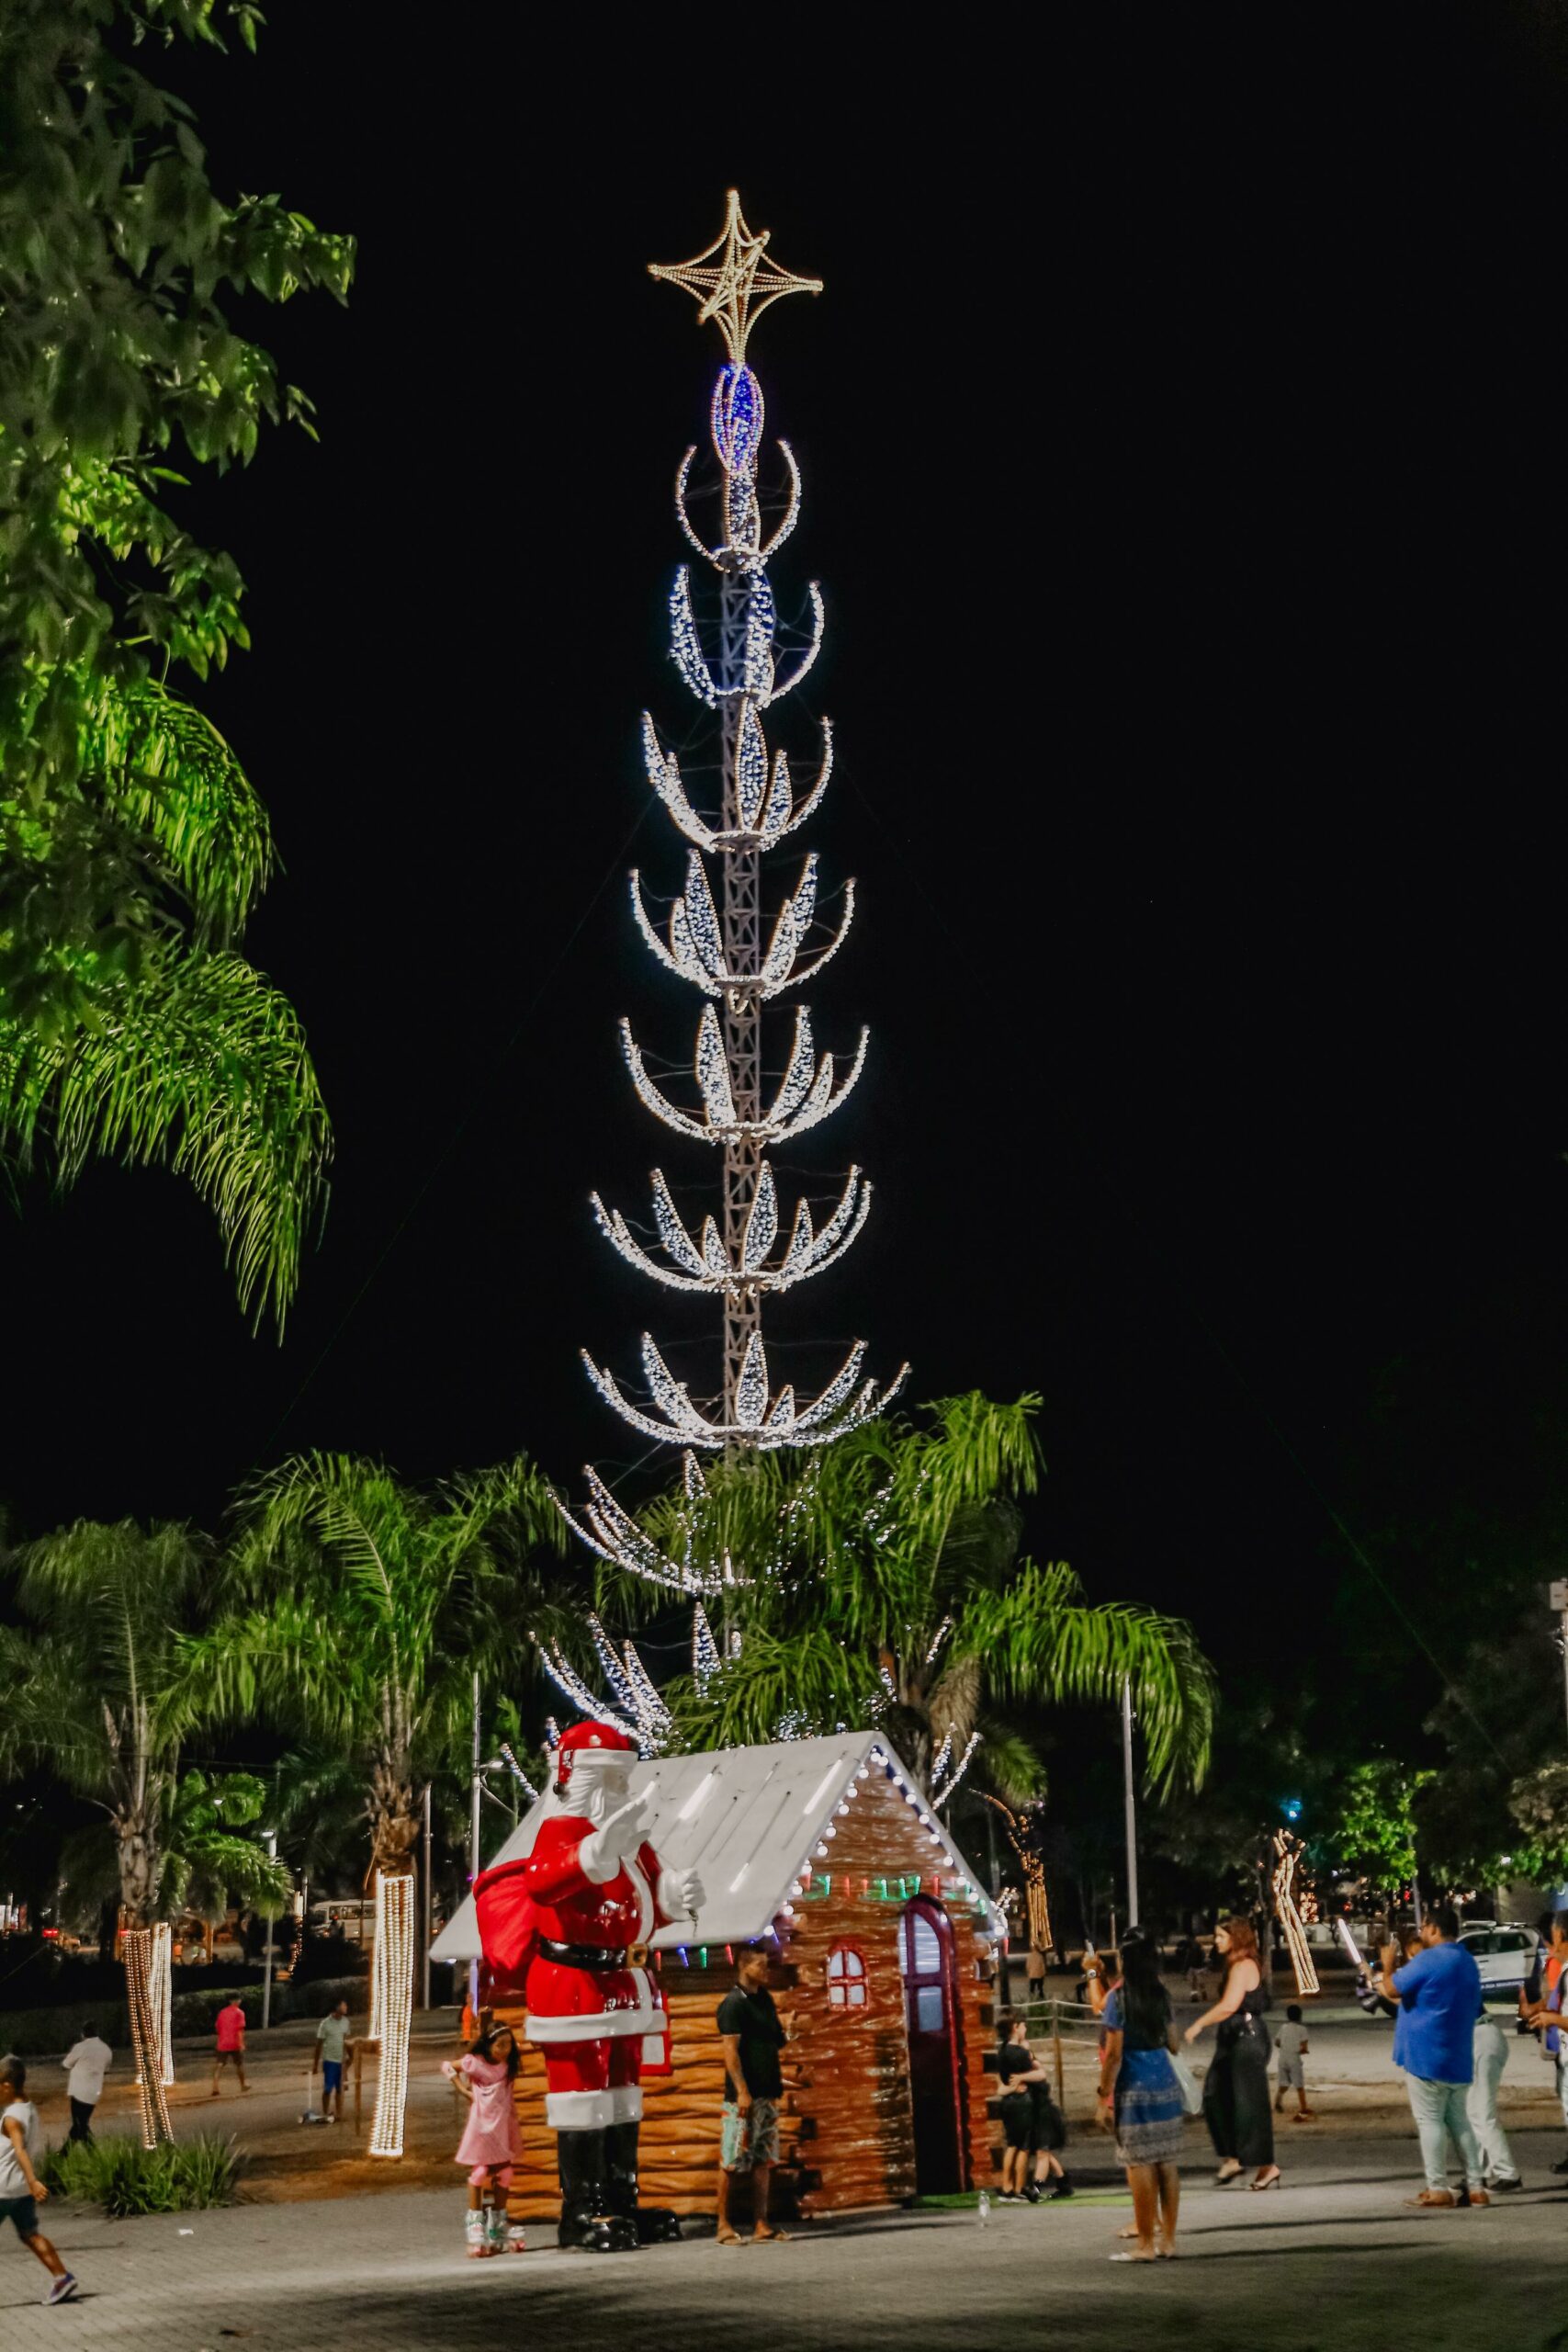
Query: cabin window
x: 846, y: 1978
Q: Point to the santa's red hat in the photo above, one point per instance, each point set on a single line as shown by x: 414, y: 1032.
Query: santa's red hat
x: 584, y: 1740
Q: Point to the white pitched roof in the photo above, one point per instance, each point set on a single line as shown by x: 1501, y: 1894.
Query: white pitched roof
x: 747, y: 1818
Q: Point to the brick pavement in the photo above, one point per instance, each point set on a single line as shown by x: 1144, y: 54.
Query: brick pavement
x: 1332, y: 2264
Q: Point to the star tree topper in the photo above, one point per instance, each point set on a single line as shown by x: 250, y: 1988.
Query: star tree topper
x: 734, y: 280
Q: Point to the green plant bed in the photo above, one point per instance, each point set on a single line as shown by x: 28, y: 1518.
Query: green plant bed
x: 125, y: 2177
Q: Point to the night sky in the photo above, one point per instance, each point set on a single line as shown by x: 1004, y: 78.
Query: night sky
x: 1182, y: 439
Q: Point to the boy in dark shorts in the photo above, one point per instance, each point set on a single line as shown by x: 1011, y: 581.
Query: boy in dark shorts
x: 21, y: 2190
x: 1047, y: 2136
x: 1020, y: 2077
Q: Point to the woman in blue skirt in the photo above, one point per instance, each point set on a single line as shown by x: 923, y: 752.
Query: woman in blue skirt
x: 1138, y: 2086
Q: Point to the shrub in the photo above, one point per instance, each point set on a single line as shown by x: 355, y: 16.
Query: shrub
x: 125, y: 2177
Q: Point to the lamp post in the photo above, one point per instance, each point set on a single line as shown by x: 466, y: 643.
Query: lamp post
x: 1558, y: 1599
x: 424, y: 1978
x: 1129, y: 1806
x: 269, y: 1840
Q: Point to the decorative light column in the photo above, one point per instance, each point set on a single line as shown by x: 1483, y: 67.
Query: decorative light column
x: 391, y: 2006
x: 137, y: 1952
x: 716, y: 943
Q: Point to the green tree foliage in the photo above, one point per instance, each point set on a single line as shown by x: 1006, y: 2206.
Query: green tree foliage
x: 1499, y: 1723
x: 1373, y: 1830
x: 1217, y: 1846
x: 358, y: 1609
x: 884, y: 1582
x: 91, y: 1690
x: 1538, y: 1804
x: 131, y: 846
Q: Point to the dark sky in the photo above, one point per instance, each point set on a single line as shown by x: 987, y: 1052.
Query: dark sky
x: 1182, y: 432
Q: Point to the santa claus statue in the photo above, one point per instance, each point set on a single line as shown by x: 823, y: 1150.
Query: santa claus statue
x: 563, y: 1924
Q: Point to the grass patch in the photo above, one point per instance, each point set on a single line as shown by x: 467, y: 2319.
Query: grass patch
x: 126, y: 2178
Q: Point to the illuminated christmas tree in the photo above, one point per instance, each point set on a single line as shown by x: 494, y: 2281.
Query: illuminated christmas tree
x: 714, y: 939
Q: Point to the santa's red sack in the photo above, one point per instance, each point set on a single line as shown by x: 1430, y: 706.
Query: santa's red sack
x: 508, y: 1922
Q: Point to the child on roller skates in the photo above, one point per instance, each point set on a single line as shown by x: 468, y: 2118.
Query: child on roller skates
x: 491, y: 2143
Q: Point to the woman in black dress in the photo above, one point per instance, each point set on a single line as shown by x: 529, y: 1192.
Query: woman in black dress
x: 1236, y: 2106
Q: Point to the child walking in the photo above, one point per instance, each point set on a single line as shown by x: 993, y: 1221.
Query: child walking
x: 21, y: 2190
x: 1048, y: 2137
x: 491, y: 2143
x: 1290, y: 2041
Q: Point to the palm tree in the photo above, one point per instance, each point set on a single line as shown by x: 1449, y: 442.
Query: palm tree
x: 885, y: 1583
x: 94, y: 1692
x: 358, y: 1611
x: 157, y: 1044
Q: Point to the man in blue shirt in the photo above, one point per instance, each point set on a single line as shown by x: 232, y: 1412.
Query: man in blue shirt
x: 1438, y: 1993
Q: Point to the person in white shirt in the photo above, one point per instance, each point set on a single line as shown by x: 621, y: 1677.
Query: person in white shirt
x: 86, y: 2063
x: 21, y: 2190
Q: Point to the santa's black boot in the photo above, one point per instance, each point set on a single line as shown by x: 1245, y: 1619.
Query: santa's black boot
x: 654, y: 2224
x: 586, y: 2220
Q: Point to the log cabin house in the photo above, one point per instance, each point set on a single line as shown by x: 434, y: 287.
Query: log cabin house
x: 884, y: 1943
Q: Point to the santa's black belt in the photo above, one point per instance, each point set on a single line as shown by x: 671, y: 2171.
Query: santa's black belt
x: 583, y: 1955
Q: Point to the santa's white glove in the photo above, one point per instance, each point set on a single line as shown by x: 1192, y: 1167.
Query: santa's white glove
x: 680, y: 1893
x: 617, y: 1838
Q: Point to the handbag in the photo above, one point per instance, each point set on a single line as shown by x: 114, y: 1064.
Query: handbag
x: 1188, y: 2084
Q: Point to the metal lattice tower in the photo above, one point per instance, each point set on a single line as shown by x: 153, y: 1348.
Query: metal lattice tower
x: 715, y: 940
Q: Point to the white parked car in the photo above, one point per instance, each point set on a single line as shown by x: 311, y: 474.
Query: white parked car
x: 1504, y: 1955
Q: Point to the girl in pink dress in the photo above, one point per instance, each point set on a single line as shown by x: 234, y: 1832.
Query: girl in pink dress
x: 491, y: 2143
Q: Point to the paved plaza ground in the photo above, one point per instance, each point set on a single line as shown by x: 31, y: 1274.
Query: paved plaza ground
x: 1332, y: 2263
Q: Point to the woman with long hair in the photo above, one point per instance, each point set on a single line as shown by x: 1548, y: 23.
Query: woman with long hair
x: 1236, y: 2106
x: 1139, y: 2089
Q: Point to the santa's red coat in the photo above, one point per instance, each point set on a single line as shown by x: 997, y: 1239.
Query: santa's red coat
x: 547, y: 1896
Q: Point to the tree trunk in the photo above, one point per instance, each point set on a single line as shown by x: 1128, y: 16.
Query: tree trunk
x: 139, y: 1894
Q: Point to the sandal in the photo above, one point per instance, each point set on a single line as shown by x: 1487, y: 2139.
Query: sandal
x: 766, y: 2236
x: 1273, y: 2180
x: 727, y: 2236
x: 1230, y: 2170
x: 1135, y: 2257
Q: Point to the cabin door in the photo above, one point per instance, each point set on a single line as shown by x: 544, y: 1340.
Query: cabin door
x: 930, y: 2010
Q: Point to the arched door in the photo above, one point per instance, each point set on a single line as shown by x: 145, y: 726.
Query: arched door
x: 930, y: 2009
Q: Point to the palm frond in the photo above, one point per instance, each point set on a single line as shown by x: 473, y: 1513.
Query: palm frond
x: 1041, y: 1640
x: 808, y: 1679
x: 166, y: 771
x: 196, y: 1064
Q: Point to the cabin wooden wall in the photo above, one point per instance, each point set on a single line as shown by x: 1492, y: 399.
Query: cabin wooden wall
x: 682, y: 2111
x: 858, y: 2143
x: 846, y: 2122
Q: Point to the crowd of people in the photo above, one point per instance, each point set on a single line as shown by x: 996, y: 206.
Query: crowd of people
x: 1451, y: 2048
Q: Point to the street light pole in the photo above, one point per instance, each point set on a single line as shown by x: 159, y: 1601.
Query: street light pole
x: 269, y: 1840
x: 424, y: 2001
x: 1560, y: 1603
x: 1132, y: 1818
x: 474, y: 1787
x: 474, y: 1794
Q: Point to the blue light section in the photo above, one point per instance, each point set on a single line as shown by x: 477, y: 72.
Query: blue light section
x: 737, y: 419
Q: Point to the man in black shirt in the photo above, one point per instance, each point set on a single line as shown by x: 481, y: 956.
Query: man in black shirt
x: 754, y: 2084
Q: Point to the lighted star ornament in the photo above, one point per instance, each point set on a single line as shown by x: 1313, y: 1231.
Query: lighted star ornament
x: 734, y: 280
